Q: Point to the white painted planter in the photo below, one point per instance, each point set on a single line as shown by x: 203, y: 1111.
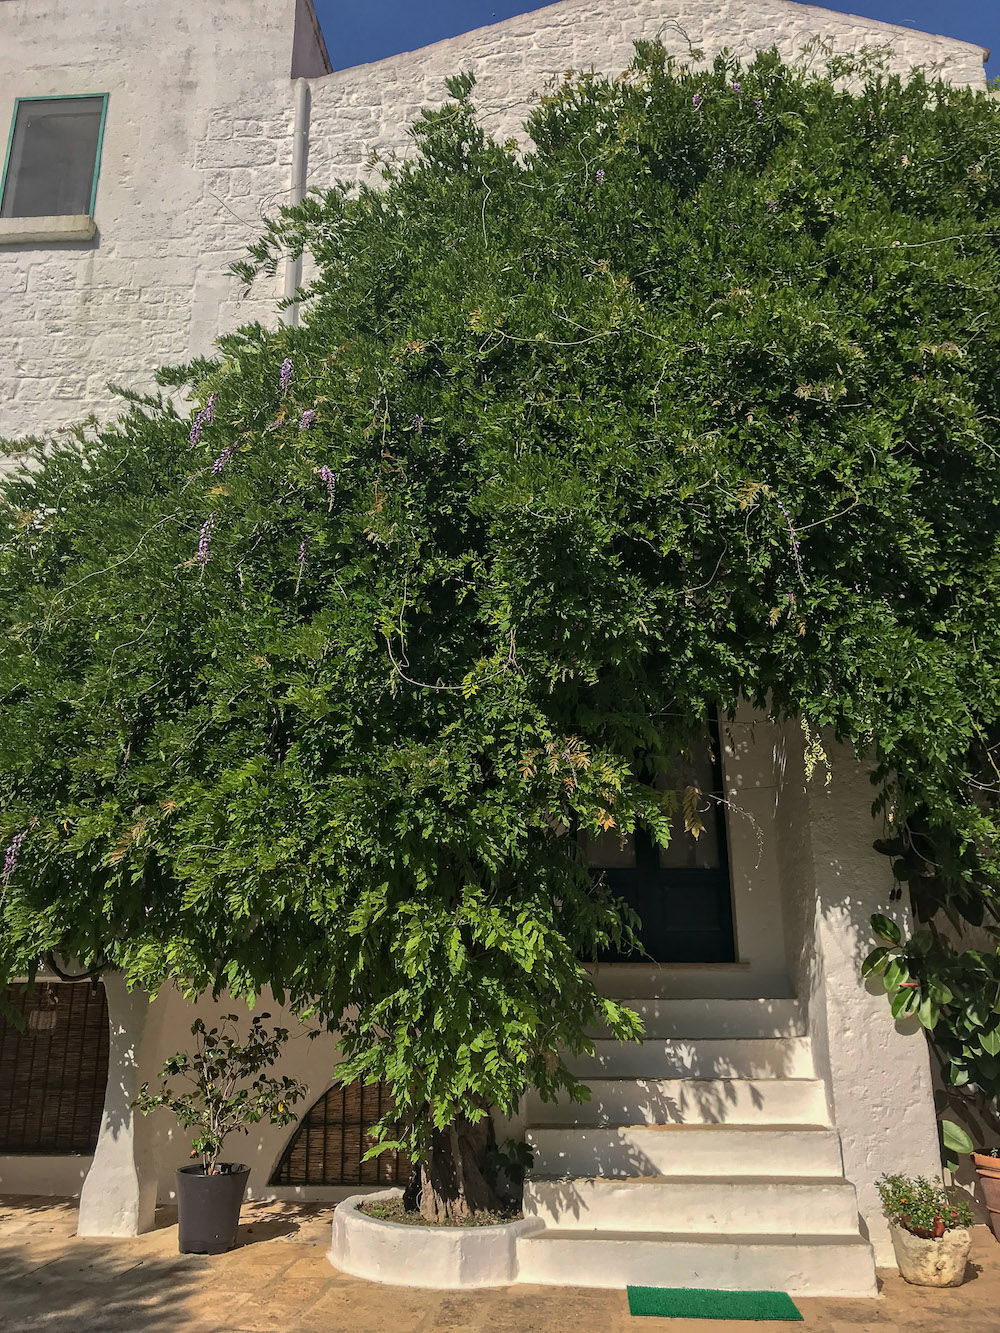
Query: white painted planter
x: 932, y: 1263
x: 405, y: 1256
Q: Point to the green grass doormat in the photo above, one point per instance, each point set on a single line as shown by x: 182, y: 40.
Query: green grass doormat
x: 690, y: 1303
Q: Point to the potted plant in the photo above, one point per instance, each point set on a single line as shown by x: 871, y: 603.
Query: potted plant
x: 930, y: 1231
x: 228, y: 1092
x: 988, y: 1166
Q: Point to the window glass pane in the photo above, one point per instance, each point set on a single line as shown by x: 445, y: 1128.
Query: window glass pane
x: 609, y: 852
x: 701, y: 853
x: 52, y: 158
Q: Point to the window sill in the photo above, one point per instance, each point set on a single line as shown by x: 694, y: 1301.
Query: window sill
x: 74, y: 227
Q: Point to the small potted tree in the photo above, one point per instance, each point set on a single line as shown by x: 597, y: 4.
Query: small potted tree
x: 930, y: 1231
x: 228, y: 1091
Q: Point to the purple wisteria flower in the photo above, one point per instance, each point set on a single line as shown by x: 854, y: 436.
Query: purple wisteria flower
x: 795, y: 541
x: 738, y: 89
x: 599, y: 176
x: 205, y: 540
x: 328, y: 476
x: 206, y: 415
x: 302, y: 552
x: 758, y: 106
x: 418, y: 424
x: 13, y: 851
x: 307, y: 420
x: 223, y: 459
x: 696, y: 101
x: 285, y: 376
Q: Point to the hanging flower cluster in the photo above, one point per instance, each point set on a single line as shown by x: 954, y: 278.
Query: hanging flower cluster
x: 223, y: 459
x: 285, y: 375
x: 330, y: 478
x: 307, y: 420
x: 13, y: 852
x: 205, y: 540
x: 203, y: 418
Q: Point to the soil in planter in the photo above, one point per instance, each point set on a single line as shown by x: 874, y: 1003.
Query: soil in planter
x: 393, y: 1211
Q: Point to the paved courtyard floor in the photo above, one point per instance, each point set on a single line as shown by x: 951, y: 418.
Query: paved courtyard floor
x: 279, y: 1281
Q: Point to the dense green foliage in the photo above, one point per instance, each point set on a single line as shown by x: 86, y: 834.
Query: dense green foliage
x: 697, y: 400
x: 955, y: 993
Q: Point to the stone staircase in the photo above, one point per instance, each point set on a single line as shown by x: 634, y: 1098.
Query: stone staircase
x: 706, y: 1157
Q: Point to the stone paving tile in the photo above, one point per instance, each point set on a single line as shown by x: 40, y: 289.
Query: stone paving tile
x: 278, y: 1280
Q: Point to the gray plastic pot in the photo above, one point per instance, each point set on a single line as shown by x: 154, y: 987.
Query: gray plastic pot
x: 208, y: 1207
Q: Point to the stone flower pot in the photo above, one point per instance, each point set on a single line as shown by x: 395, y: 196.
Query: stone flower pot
x: 208, y: 1207
x: 937, y: 1262
x: 989, y: 1179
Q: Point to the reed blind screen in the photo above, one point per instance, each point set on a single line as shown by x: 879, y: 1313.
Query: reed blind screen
x: 329, y: 1143
x: 54, y: 1070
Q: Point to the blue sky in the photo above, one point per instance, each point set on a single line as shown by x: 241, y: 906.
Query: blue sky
x: 369, y: 30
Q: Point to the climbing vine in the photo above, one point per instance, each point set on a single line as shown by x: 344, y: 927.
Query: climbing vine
x: 696, y: 400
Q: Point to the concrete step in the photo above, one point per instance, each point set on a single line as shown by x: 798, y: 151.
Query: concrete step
x: 703, y: 1058
x: 807, y: 1151
x: 717, y: 1017
x: 806, y: 1265
x: 688, y: 981
x: 648, y: 1101
x: 750, y: 1205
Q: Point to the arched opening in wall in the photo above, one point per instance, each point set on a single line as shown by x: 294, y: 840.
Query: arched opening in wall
x: 54, y: 1069
x: 329, y: 1142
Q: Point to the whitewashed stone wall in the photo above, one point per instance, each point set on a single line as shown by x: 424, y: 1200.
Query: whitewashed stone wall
x: 197, y: 147
x: 369, y: 107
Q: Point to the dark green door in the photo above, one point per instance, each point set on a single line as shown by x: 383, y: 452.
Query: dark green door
x: 680, y: 893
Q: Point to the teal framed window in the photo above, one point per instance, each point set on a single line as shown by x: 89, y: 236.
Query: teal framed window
x: 53, y: 156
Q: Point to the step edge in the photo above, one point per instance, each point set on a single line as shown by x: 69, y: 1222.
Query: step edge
x: 733, y: 1240
x: 732, y: 1126
x: 726, y: 1079
x: 735, y: 1181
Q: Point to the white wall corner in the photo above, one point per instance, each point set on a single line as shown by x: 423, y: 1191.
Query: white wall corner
x: 877, y: 1070
x: 119, y: 1193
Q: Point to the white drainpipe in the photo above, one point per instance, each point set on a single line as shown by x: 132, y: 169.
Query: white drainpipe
x: 297, y: 192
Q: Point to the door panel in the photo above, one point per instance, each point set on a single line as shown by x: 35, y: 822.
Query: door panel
x: 681, y: 893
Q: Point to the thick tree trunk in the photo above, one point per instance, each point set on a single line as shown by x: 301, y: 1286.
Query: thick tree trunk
x: 453, y: 1182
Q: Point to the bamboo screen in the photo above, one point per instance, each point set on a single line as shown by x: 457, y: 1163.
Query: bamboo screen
x: 53, y: 1072
x: 329, y: 1143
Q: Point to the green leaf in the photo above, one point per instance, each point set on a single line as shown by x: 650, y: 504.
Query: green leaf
x: 928, y: 1012
x: 904, y: 1002
x: 875, y: 962
x: 895, y: 974
x: 955, y: 1139
x: 885, y: 928
x: 921, y: 942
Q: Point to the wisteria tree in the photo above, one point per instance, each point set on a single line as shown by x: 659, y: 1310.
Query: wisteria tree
x: 319, y: 687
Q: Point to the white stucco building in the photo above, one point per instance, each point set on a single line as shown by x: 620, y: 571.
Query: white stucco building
x: 739, y: 1144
